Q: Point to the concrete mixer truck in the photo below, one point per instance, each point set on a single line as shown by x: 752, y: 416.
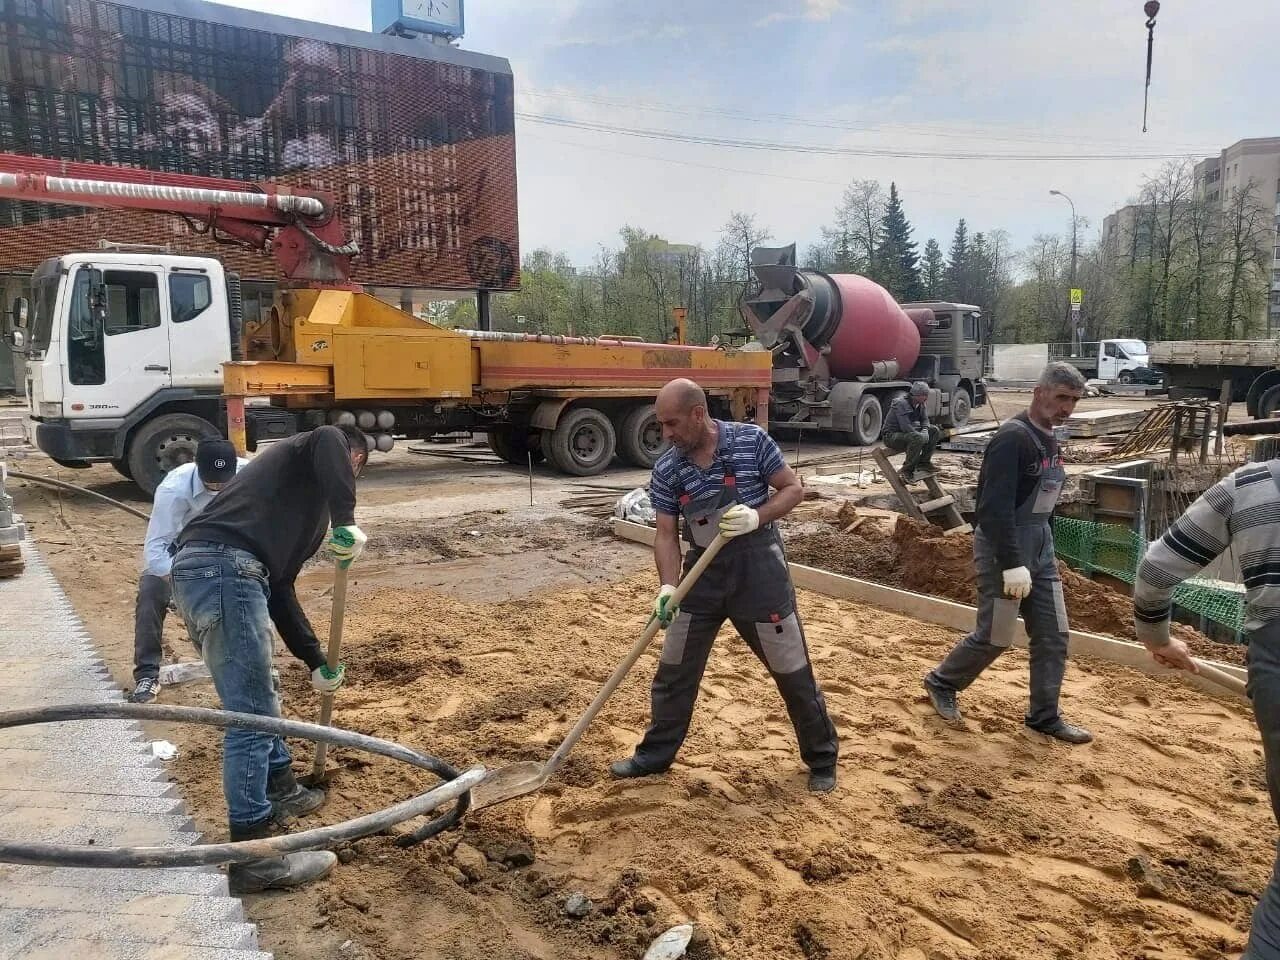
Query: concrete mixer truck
x: 843, y: 349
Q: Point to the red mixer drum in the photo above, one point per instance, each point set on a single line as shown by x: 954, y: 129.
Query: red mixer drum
x: 872, y: 328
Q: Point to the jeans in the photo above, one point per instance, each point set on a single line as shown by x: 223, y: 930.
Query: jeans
x: 918, y: 444
x: 222, y: 594
x: 1264, y: 691
x: 148, y: 625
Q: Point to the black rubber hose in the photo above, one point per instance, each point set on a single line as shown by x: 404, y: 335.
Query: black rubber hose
x: 456, y: 789
x: 63, y: 485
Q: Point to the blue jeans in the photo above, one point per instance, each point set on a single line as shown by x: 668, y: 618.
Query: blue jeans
x: 222, y: 594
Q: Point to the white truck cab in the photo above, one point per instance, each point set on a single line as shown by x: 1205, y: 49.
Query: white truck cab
x: 1118, y: 359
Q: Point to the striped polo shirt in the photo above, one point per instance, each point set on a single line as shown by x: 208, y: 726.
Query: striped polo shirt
x: 755, y: 458
x: 1240, y: 512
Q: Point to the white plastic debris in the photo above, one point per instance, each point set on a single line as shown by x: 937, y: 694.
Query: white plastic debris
x: 163, y: 749
x: 175, y: 673
x: 672, y: 944
x: 635, y: 507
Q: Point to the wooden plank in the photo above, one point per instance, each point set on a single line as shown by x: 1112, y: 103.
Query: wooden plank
x: 908, y: 502
x: 956, y: 616
x: 945, y: 500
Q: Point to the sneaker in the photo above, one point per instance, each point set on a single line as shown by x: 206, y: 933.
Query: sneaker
x: 944, y: 702
x: 822, y: 781
x: 146, y: 691
x: 1066, y: 732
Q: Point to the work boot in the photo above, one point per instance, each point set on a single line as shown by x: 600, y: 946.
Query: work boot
x: 275, y: 873
x: 146, y: 691
x: 628, y: 768
x: 1066, y: 732
x: 822, y: 781
x: 289, y: 798
x: 944, y: 702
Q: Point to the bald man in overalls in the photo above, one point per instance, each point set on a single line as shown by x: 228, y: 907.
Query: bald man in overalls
x: 717, y: 477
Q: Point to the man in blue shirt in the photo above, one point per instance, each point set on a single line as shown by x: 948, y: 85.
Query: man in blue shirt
x: 184, y: 492
x: 717, y: 475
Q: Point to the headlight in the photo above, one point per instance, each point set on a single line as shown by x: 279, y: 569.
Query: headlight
x: 51, y: 409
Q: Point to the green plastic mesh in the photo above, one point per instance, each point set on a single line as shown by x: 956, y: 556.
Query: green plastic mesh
x: 1091, y: 548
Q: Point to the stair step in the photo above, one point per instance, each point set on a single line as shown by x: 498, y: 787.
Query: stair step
x: 197, y: 881
x: 26, y: 929
x: 63, y: 949
x: 929, y: 506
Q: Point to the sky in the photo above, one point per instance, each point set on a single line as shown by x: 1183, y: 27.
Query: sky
x: 874, y: 79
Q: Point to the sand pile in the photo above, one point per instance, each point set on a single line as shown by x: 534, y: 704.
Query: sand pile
x: 986, y: 843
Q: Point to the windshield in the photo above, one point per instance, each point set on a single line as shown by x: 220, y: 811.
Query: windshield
x: 44, y: 295
x: 1133, y: 348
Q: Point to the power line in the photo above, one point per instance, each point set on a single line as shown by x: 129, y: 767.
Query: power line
x: 835, y: 151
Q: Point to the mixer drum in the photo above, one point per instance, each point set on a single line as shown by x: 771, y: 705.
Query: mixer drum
x: 872, y: 328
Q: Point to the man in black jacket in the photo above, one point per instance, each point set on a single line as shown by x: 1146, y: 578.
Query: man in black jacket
x: 907, y: 428
x: 1018, y: 487
x: 233, y: 576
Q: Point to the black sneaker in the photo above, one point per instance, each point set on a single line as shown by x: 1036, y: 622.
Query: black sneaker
x: 822, y: 781
x: 146, y: 691
x: 1066, y: 732
x: 944, y: 702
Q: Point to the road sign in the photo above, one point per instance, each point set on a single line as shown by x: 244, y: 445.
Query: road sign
x: 1077, y: 296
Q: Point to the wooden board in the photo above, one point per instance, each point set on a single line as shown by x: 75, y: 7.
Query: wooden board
x: 1101, y: 423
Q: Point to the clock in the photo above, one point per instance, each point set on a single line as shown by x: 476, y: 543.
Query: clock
x: 443, y: 17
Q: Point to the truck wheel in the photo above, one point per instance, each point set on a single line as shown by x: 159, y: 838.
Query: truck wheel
x: 164, y: 443
x: 514, y: 444
x: 961, y: 406
x: 122, y: 468
x: 1126, y: 376
x: 582, y: 443
x: 887, y: 401
x: 640, y: 440
x: 1269, y: 402
x: 867, y: 422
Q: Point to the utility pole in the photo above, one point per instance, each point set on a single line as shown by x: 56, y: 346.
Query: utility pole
x: 1071, y: 283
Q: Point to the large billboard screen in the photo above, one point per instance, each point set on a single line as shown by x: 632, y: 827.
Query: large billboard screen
x: 416, y: 140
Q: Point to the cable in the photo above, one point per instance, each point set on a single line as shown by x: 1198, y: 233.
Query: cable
x: 783, y: 147
x: 63, y: 485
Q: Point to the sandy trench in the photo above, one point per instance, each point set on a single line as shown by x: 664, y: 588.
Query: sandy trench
x: 990, y: 842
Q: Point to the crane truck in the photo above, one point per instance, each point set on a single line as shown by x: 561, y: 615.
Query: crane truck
x: 133, y: 356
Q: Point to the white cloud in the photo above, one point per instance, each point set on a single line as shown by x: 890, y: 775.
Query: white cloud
x: 817, y: 11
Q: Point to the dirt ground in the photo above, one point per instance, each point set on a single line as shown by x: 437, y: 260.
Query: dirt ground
x: 478, y: 628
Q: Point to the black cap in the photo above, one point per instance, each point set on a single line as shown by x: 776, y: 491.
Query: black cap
x: 215, y: 461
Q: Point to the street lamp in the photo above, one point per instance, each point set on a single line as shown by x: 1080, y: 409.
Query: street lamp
x: 1075, y: 338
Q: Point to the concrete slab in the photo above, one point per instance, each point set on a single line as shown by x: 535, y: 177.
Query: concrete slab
x: 112, y: 829
x: 170, y: 803
x: 74, y: 900
x: 100, y: 950
x: 25, y: 929
x: 197, y: 881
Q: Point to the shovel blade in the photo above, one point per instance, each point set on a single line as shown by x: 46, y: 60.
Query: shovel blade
x: 507, y: 783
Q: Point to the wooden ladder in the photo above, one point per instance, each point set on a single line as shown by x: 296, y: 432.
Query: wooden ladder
x: 940, y: 507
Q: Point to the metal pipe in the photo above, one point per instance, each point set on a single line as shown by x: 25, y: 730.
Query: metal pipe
x: 556, y: 338
x: 457, y: 790
x: 63, y: 485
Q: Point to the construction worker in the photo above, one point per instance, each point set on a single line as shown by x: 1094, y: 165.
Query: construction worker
x: 717, y: 476
x: 1240, y: 513
x: 184, y: 492
x: 233, y: 576
x: 1018, y: 487
x: 907, y: 428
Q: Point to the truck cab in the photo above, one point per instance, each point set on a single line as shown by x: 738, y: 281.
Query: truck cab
x: 1122, y: 359
x: 124, y: 358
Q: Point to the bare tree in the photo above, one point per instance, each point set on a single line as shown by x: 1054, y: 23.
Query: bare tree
x: 1246, y: 229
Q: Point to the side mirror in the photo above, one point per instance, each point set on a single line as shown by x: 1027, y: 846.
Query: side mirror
x: 20, y: 312
x: 17, y: 340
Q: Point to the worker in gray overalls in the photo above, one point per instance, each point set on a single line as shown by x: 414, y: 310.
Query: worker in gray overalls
x: 1018, y: 487
x: 717, y: 476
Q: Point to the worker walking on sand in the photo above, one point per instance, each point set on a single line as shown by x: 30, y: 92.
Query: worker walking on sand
x: 1018, y: 488
x: 907, y: 428
x: 717, y: 476
x: 1240, y: 513
x: 233, y: 576
x: 184, y: 492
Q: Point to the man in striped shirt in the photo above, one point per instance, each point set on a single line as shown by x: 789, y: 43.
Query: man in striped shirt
x: 1241, y: 513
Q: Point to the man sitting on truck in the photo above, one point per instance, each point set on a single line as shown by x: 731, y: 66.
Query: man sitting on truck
x: 907, y: 427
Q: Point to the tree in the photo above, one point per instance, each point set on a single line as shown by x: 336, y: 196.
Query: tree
x: 958, y: 264
x: 933, y: 271
x: 1246, y: 255
x: 897, y: 264
x: 738, y: 237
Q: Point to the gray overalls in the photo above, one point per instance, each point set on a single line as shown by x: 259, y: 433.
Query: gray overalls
x: 1044, y: 609
x: 748, y: 583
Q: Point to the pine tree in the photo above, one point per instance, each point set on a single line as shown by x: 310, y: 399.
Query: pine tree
x: 957, y: 264
x: 933, y: 270
x: 897, y: 263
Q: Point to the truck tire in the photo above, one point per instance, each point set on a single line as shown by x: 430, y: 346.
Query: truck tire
x: 961, y: 407
x: 1269, y: 402
x: 887, y: 401
x: 582, y: 444
x: 867, y: 422
x: 515, y: 444
x: 122, y: 468
x: 640, y: 440
x: 166, y: 442
x: 1126, y: 376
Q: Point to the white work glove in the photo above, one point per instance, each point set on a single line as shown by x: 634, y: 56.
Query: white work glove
x: 325, y: 680
x: 1017, y: 582
x: 346, y: 544
x: 663, y: 609
x: 739, y: 519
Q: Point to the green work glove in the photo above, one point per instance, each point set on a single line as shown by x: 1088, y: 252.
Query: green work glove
x: 346, y: 544
x: 664, y: 611
x: 325, y: 680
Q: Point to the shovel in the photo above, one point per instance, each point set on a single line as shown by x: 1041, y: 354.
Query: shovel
x: 333, y: 658
x: 518, y: 779
x: 1223, y: 679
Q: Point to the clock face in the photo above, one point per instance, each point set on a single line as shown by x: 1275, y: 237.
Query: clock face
x: 447, y: 12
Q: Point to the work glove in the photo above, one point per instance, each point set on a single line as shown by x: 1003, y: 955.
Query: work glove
x: 664, y: 611
x: 739, y: 519
x: 1017, y: 582
x: 325, y: 680
x: 346, y: 544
